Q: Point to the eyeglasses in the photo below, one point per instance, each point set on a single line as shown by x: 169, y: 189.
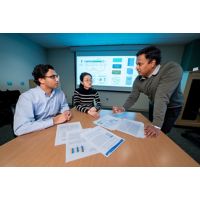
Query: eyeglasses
x: 87, y: 81
x: 53, y: 76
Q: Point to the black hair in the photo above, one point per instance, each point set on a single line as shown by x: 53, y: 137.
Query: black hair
x: 40, y: 72
x: 151, y: 53
x: 82, y: 77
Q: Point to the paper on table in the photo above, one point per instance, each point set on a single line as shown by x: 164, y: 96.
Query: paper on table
x: 77, y: 147
x: 123, y: 115
x: 131, y: 127
x: 64, y: 129
x: 108, y: 122
x: 103, y: 140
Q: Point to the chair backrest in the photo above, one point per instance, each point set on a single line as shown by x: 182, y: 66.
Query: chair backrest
x: 8, y: 100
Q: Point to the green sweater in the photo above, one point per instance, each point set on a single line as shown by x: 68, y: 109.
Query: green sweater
x: 162, y: 89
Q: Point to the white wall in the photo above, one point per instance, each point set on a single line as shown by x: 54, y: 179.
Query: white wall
x: 18, y: 57
x: 63, y: 60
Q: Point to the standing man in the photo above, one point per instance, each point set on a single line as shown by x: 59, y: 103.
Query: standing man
x: 161, y: 83
x: 42, y: 106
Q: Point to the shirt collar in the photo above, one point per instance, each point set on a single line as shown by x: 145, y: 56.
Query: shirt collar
x: 155, y: 72
x: 43, y: 92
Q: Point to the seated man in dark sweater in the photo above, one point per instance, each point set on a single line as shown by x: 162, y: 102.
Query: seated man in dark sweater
x: 85, y: 96
x: 161, y: 83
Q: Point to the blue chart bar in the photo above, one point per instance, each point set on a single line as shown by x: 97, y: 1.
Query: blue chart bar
x: 77, y: 149
x: 128, y: 80
x: 130, y: 61
x: 117, y: 59
x: 82, y: 148
x: 129, y: 71
x: 116, y: 66
x: 93, y: 61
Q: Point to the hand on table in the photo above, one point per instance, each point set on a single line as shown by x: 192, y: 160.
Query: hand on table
x: 93, y: 109
x: 118, y: 109
x: 151, y: 131
x: 63, y: 117
x: 93, y: 112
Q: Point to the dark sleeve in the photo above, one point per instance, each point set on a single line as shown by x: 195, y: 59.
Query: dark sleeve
x: 98, y: 102
x: 77, y: 100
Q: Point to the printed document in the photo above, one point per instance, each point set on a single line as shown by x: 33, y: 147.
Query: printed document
x: 123, y: 115
x: 64, y: 129
x: 77, y: 147
x: 108, y: 122
x: 103, y: 140
x: 131, y: 127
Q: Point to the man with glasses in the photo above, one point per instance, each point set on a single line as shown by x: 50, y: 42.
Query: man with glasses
x: 161, y: 83
x: 42, y: 106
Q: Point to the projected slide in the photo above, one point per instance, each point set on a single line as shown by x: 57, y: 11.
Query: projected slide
x: 108, y: 71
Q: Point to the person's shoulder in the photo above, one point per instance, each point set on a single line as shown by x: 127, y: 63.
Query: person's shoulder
x: 172, y: 66
x: 59, y: 91
x: 85, y: 92
x: 137, y: 80
x: 29, y: 94
x: 138, y: 77
x: 31, y: 91
x: 93, y: 90
x: 78, y: 90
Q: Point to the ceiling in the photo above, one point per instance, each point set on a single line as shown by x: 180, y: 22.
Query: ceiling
x: 60, y: 40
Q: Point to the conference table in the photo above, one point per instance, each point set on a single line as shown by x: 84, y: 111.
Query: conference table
x: 38, y: 148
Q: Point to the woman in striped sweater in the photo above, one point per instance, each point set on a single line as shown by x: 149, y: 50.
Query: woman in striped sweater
x: 85, y: 96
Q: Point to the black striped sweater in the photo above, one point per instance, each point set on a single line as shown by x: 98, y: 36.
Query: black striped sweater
x: 85, y: 99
